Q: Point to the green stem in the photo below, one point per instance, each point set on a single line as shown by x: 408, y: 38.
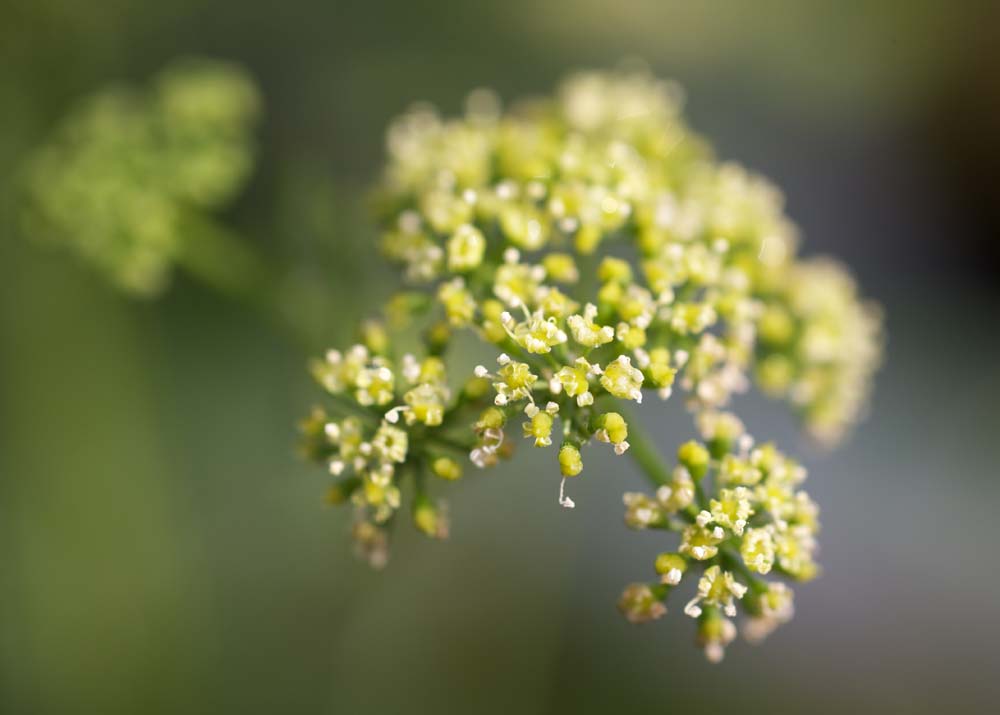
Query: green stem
x: 227, y: 262
x: 643, y: 450
x: 223, y: 260
x: 449, y: 443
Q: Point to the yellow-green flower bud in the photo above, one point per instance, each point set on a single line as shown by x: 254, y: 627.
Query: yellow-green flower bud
x: 374, y: 336
x: 428, y: 518
x: 610, y: 294
x: 671, y: 568
x: 695, y: 457
x: 775, y: 325
x: 615, y: 427
x: 561, y: 268
x: 432, y: 370
x: 570, y: 461
x: 587, y: 239
x: 446, y: 468
x: 614, y: 269
x: 659, y: 371
x: 491, y: 418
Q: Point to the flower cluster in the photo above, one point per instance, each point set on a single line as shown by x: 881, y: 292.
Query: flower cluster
x: 125, y: 178
x: 819, y: 347
x: 386, y: 422
x: 594, y: 243
x: 740, y: 515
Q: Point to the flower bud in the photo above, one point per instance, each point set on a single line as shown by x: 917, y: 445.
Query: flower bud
x: 446, y: 468
x: 671, y: 567
x: 614, y: 270
x: 561, y: 268
x: 491, y: 418
x: 428, y: 518
x: 695, y: 457
x: 587, y: 239
x: 570, y: 462
x: 616, y: 427
x: 775, y: 325
x: 374, y: 336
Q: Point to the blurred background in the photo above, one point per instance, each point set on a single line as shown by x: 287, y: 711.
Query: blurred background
x: 162, y: 549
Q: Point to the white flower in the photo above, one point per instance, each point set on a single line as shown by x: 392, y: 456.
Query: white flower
x: 716, y: 588
x: 586, y: 331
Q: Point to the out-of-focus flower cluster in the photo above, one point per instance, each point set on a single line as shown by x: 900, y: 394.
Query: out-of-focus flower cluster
x: 741, y: 515
x: 595, y: 244
x: 818, y: 347
x: 123, y: 176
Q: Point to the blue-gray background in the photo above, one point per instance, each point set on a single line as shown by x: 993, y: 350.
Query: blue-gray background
x: 162, y: 549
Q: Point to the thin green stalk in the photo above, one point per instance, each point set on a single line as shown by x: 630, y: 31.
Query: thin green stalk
x: 643, y: 450
x: 449, y: 443
x: 228, y: 263
x: 224, y: 260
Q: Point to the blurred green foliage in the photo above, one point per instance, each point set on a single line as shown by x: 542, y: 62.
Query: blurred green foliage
x: 124, y: 172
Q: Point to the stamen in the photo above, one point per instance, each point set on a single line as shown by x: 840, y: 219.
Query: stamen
x: 565, y: 501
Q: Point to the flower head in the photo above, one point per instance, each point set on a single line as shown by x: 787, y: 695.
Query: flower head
x: 495, y: 218
x: 623, y: 380
x: 639, y: 603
